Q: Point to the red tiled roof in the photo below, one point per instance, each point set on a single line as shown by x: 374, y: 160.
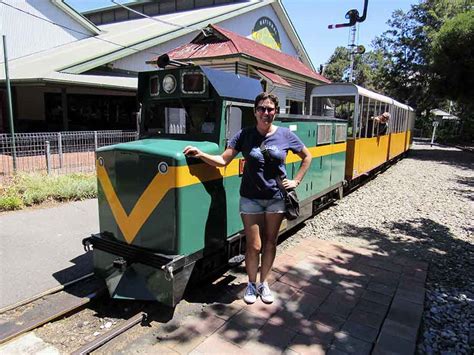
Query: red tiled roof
x: 275, y: 78
x: 232, y: 44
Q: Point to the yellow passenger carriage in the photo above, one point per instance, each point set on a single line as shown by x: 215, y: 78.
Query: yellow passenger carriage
x: 368, y: 146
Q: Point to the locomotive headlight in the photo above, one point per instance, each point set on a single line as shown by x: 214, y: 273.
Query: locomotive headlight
x: 163, y: 167
x: 169, y: 83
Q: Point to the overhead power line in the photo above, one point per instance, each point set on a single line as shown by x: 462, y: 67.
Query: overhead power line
x: 154, y: 18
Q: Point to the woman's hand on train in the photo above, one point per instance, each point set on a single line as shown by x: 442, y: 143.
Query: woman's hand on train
x: 191, y: 151
x: 290, y: 184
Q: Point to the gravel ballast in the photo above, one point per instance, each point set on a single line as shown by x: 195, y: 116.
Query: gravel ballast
x: 423, y: 208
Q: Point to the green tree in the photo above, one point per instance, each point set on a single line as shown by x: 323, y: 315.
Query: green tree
x: 404, y: 47
x: 366, y: 66
x: 428, y: 59
x: 337, y: 64
x: 407, y: 48
x: 453, y: 58
x: 374, y: 64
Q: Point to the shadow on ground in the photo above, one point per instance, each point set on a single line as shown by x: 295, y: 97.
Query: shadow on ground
x: 444, y: 155
x: 82, y: 265
x: 423, y: 239
x: 328, y: 297
x: 467, y: 192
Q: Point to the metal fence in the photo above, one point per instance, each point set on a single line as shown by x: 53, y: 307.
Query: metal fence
x: 56, y: 152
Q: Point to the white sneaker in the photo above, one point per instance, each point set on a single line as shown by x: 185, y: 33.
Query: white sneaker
x: 250, y: 295
x: 265, y: 294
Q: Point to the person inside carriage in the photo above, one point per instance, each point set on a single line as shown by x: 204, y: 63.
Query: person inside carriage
x: 376, y: 126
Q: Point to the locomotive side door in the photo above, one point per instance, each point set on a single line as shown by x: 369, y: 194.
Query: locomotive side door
x: 237, y: 116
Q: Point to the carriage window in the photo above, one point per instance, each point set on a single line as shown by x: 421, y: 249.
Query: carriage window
x: 400, y: 118
x: 397, y: 118
x: 336, y: 106
x: 379, y: 109
x: 365, y: 116
x: 372, y: 108
x: 360, y: 117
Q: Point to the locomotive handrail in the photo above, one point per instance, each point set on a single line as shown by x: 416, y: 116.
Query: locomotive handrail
x: 133, y: 254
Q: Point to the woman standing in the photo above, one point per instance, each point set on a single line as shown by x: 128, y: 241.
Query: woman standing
x: 261, y: 203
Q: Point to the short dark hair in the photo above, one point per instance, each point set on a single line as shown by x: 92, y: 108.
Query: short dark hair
x: 264, y: 96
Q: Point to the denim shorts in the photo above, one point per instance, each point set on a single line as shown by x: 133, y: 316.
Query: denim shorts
x: 256, y: 206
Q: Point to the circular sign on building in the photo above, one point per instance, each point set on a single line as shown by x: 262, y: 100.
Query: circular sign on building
x: 266, y: 32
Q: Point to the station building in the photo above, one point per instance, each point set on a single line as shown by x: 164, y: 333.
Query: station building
x: 73, y: 71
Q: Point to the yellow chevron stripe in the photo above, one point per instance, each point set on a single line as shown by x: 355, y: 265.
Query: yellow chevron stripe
x: 176, y: 177
x: 150, y: 198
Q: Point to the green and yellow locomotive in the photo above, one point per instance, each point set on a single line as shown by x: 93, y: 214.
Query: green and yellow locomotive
x: 165, y: 217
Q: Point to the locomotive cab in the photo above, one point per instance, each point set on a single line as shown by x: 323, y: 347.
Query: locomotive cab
x: 160, y: 212
x: 178, y: 104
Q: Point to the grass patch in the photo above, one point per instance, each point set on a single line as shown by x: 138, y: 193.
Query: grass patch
x: 31, y: 189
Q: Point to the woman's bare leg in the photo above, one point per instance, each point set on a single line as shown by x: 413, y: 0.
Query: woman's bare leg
x: 270, y: 238
x: 253, y: 227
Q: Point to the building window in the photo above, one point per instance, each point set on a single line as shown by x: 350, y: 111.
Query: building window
x: 294, y: 107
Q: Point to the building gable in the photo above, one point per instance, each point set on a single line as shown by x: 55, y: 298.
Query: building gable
x: 252, y: 24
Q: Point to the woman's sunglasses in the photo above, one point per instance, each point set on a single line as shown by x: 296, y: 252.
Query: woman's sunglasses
x: 262, y: 109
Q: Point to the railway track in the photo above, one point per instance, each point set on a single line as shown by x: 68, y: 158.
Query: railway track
x: 54, y: 305
x: 48, y: 306
x: 140, y: 317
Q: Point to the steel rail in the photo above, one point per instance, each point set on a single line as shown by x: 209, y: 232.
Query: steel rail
x: 45, y: 293
x: 47, y: 313
x: 98, y: 342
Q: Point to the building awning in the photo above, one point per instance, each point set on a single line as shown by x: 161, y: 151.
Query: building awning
x: 233, y: 86
x: 440, y: 114
x: 275, y: 79
x: 96, y: 81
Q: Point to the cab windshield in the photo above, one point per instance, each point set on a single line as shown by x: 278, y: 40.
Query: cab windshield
x: 334, y: 106
x: 180, y: 118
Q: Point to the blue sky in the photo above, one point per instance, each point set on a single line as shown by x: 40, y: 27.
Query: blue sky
x: 311, y: 19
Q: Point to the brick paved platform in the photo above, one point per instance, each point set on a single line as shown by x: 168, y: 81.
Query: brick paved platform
x: 330, y: 299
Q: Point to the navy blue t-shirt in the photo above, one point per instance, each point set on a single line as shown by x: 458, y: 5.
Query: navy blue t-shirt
x: 258, y: 180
